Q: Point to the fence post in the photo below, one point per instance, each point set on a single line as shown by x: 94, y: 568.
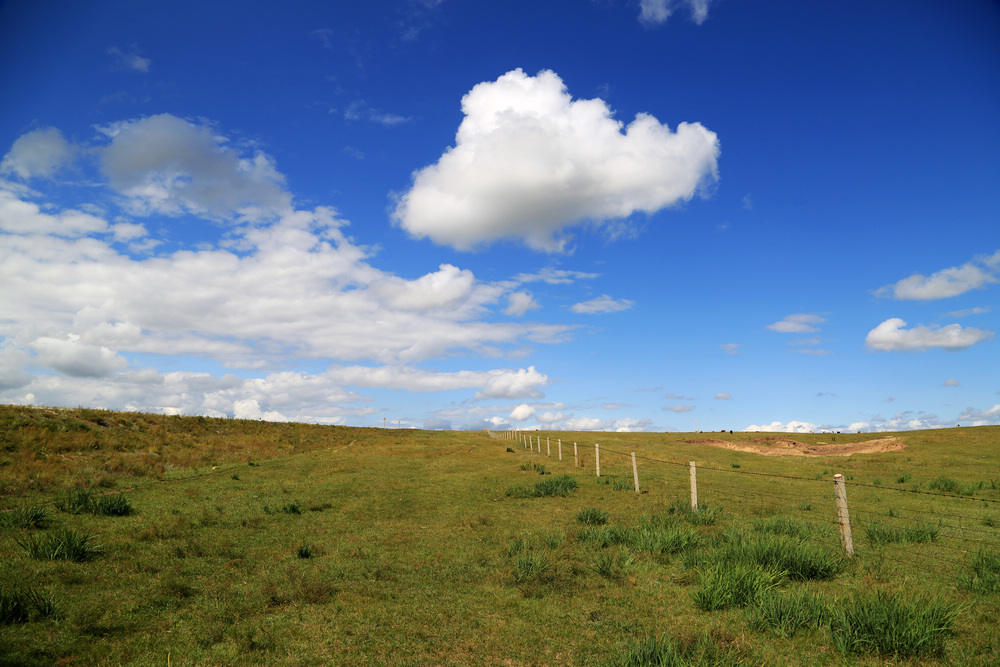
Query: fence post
x: 840, y: 489
x: 560, y: 449
x: 694, y: 487
x: 548, y: 446
x: 597, y: 458
x: 635, y: 473
x: 576, y: 456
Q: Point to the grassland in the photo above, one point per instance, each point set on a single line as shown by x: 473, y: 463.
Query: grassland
x: 226, y: 542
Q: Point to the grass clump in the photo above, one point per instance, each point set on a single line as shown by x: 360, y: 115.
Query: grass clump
x: 592, y: 516
x: 661, y: 539
x: 562, y: 485
x: 704, y: 650
x: 983, y: 575
x: 604, y: 536
x: 887, y: 624
x: 32, y: 516
x: 114, y: 505
x: 65, y: 544
x: 798, y: 558
x: 728, y: 585
x: 703, y: 516
x: 949, y: 485
x: 20, y: 606
x: 785, y: 614
x: 879, y: 533
x: 614, y: 565
x: 76, y: 501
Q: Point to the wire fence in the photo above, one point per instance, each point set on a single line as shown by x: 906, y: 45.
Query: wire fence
x: 918, y: 530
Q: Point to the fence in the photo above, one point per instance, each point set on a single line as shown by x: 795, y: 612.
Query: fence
x: 934, y: 532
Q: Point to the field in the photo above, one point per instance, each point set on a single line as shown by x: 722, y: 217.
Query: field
x: 152, y: 540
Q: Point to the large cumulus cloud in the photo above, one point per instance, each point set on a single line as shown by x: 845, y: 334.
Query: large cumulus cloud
x: 530, y: 161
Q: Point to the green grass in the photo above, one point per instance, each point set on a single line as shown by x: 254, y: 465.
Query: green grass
x: 64, y: 544
x: 19, y: 605
x: 890, y: 625
x: 562, y: 485
x: 417, y: 555
x: 879, y: 533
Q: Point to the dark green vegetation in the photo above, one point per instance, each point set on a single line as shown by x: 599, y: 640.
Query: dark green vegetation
x: 228, y: 542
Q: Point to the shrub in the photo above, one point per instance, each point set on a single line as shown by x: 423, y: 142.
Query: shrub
x: 886, y: 624
x: 592, y: 516
x: 65, y: 544
x: 727, y: 585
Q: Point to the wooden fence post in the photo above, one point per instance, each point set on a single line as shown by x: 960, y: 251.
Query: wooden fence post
x: 548, y: 446
x: 694, y: 487
x: 840, y: 490
x: 597, y: 458
x: 635, y: 473
x: 576, y: 456
x: 560, y: 449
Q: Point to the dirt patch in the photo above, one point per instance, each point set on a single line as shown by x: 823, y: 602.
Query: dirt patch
x: 781, y: 446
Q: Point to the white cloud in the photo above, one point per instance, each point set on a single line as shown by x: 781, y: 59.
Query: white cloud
x: 947, y: 282
x: 731, y: 348
x: 18, y: 216
x: 38, y: 153
x: 165, y: 164
x: 555, y: 276
x: 656, y: 12
x: 522, y: 412
x: 797, y: 323
x: 779, y: 427
x: 71, y: 357
x: 890, y: 336
x: 518, y: 303
x: 529, y: 162
x: 130, y: 61
x: 514, y: 384
x: 600, y: 305
x: 723, y: 396
x: 980, y: 310
x: 445, y: 288
x: 679, y: 408
x: 951, y: 382
x: 361, y: 110
x: 975, y: 417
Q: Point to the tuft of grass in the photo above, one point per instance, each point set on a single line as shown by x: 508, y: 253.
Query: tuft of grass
x: 510, y: 450
x: 704, y: 516
x: 704, y: 651
x: 782, y: 525
x: 662, y: 539
x: 785, y: 614
x: 592, y: 516
x: 305, y: 551
x: 889, y: 625
x: 292, y: 508
x: 604, y: 536
x: 614, y: 565
x: 797, y: 558
x: 65, y: 544
x: 562, y: 485
x: 728, y: 585
x: 540, y: 469
x: 949, y: 485
x: 76, y: 501
x: 19, y: 606
x: 32, y: 516
x: 115, y: 505
x: 983, y: 574
x: 879, y: 533
x: 531, y: 566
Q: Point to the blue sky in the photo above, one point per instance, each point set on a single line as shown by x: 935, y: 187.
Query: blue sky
x: 581, y: 215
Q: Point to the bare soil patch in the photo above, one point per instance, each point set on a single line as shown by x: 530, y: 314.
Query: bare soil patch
x: 782, y: 446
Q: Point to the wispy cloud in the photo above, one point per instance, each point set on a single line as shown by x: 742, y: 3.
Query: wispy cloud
x: 361, y: 110
x: 945, y: 283
x: 132, y: 61
x: 600, y: 305
x: 797, y: 323
x: 656, y: 12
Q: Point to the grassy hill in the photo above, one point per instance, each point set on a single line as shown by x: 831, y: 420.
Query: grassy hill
x: 145, y: 539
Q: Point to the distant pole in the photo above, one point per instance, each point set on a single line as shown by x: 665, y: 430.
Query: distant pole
x: 635, y: 473
x: 840, y: 490
x: 548, y: 447
x: 694, y: 487
x: 597, y: 458
x: 560, y: 449
x: 576, y: 456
